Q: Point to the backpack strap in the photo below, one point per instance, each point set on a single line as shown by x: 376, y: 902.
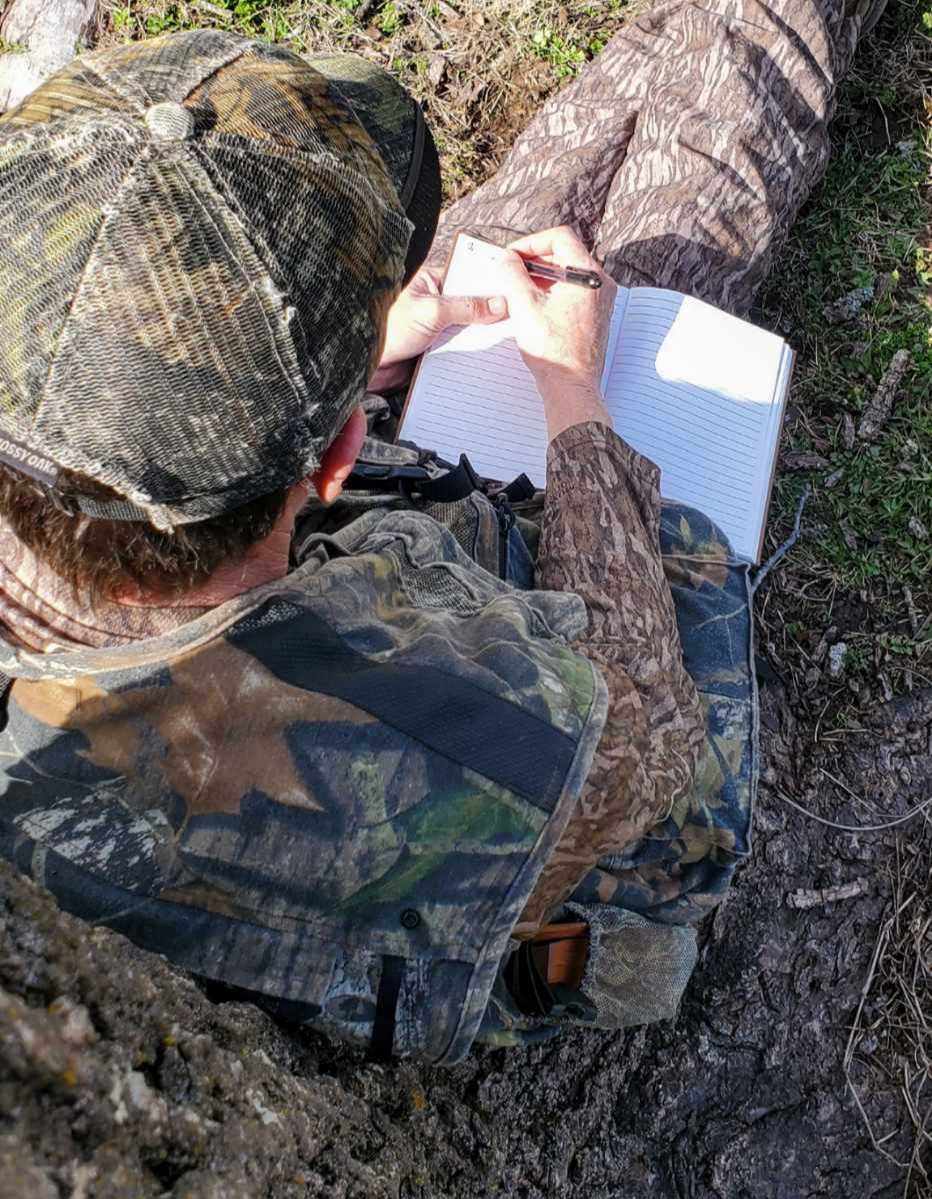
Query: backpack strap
x: 459, y: 482
x: 386, y: 1004
x: 454, y: 484
x: 519, y: 490
x: 6, y: 683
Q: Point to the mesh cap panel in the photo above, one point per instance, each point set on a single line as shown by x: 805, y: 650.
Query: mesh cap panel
x: 48, y: 235
x: 199, y: 246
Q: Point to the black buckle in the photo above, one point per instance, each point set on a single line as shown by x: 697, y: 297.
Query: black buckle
x: 64, y: 503
x: 459, y: 482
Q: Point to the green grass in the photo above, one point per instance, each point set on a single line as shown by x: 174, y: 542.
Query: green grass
x: 866, y: 225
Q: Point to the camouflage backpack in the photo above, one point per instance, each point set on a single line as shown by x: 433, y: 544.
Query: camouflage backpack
x: 641, y: 906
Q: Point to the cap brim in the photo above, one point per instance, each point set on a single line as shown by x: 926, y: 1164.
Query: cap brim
x: 395, y: 123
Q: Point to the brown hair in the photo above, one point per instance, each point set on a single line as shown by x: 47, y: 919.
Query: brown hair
x: 106, y: 556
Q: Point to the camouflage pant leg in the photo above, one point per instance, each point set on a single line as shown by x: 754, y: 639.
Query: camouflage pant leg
x: 640, y: 904
x: 684, y: 151
x: 678, y: 872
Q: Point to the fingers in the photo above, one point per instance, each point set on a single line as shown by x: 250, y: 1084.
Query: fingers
x: 560, y: 244
x: 516, y: 284
x: 471, y: 310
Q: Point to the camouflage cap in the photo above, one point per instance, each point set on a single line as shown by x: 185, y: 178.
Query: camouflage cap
x: 201, y: 236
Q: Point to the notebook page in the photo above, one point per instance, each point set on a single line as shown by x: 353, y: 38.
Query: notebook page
x: 701, y: 394
x: 473, y: 393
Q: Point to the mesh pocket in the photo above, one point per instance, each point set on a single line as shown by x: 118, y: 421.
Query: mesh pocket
x: 435, y: 587
x: 637, y: 969
x: 461, y: 518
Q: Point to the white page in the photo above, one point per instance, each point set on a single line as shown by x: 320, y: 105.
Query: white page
x: 693, y: 389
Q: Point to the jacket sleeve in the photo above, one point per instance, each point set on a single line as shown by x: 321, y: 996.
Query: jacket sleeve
x: 600, y: 539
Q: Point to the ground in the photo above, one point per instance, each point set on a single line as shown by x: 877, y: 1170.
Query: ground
x: 799, y: 1065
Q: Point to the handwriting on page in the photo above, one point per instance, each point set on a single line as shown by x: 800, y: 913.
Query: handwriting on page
x: 472, y: 268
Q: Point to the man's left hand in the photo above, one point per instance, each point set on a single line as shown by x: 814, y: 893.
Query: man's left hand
x: 419, y: 316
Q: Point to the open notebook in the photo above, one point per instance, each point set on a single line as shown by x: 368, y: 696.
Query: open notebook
x: 696, y: 390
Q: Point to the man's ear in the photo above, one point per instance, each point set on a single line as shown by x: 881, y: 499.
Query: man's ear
x: 340, y: 457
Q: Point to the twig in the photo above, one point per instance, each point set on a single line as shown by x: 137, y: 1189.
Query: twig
x: 914, y: 1157
x: 879, y: 946
x: 913, y: 612
x: 781, y: 551
x: 878, y: 409
x: 814, y: 897
x: 855, y: 828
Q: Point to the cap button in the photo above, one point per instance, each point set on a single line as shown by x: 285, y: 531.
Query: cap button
x: 170, y: 122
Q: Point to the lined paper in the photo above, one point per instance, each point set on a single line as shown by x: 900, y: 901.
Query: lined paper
x: 700, y: 393
x: 696, y: 390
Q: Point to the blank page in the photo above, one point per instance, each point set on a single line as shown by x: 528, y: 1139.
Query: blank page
x: 701, y: 394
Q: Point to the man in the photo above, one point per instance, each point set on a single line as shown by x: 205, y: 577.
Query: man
x: 346, y: 770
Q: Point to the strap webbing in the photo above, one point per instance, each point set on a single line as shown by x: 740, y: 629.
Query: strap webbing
x: 455, y: 485
x: 386, y: 1003
x: 5, y: 684
x: 518, y: 490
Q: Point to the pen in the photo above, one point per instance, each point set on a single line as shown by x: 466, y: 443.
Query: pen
x: 563, y: 274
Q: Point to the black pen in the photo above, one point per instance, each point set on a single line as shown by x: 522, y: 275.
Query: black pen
x: 563, y: 274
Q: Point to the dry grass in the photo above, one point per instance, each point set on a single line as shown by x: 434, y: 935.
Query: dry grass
x: 481, y: 68
x: 891, y: 1036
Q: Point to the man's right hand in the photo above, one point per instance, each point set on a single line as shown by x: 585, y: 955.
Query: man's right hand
x: 561, y: 328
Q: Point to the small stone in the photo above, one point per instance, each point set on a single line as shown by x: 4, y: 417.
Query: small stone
x: 848, y: 306
x: 917, y: 528
x: 804, y: 460
x: 836, y: 659
x: 829, y: 637
x: 848, y: 434
x: 77, y: 1030
x: 834, y: 478
x: 436, y: 69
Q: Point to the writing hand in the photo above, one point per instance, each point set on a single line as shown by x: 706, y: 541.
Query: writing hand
x: 561, y: 329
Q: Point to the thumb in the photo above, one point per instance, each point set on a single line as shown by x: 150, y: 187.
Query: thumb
x: 471, y: 310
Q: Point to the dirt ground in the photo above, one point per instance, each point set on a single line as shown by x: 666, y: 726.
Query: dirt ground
x: 799, y: 1066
